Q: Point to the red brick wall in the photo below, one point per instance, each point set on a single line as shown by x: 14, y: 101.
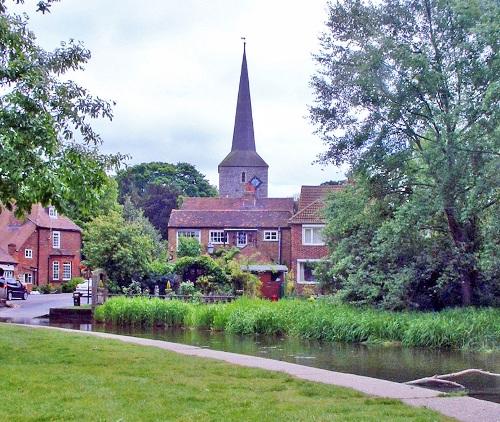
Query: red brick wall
x: 300, y: 251
x: 256, y: 239
x: 43, y: 254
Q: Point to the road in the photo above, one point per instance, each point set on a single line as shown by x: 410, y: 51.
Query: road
x: 35, y: 306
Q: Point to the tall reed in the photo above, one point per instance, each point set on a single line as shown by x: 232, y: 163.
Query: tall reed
x: 468, y: 329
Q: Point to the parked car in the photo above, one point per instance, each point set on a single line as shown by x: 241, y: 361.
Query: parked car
x: 85, y: 288
x: 15, y: 289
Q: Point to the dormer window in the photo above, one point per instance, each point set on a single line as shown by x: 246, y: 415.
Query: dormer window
x: 52, y: 212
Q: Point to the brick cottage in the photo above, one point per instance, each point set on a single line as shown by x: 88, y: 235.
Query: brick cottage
x: 276, y: 234
x: 40, y: 249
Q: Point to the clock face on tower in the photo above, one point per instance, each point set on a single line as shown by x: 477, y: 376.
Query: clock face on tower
x: 256, y: 182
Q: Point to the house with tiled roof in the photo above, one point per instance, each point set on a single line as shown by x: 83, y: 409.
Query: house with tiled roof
x: 42, y: 248
x: 274, y: 234
x: 306, y: 226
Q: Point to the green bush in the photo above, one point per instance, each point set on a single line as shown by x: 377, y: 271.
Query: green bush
x: 44, y: 289
x: 323, y: 319
x: 188, y: 246
x: 70, y: 286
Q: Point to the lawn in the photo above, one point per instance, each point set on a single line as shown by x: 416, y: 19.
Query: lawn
x: 49, y: 376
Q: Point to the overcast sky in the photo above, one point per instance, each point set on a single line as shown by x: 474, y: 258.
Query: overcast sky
x: 173, y: 69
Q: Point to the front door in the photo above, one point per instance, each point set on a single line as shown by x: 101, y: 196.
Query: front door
x: 241, y: 239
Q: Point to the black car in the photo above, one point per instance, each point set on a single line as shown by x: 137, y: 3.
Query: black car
x: 15, y: 289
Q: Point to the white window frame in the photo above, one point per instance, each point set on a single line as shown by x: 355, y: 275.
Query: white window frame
x: 65, y: 266
x: 56, y: 235
x: 217, y: 237
x: 238, y: 243
x: 311, y: 227
x: 28, y: 278
x: 28, y: 253
x: 56, y: 269
x: 271, y: 236
x: 298, y: 277
x: 52, y: 212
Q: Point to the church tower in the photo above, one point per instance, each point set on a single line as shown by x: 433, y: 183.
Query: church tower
x: 243, y: 169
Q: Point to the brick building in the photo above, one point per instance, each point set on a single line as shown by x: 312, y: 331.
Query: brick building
x: 272, y: 232
x: 306, y: 225
x: 43, y: 248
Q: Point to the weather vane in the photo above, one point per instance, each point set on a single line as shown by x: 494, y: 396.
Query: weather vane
x: 244, y: 41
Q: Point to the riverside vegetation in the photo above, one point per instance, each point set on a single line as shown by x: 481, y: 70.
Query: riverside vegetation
x: 466, y: 328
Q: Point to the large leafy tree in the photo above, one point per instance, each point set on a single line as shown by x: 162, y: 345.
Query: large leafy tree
x: 48, y: 149
x: 408, y: 93
x: 155, y: 188
x: 124, y: 244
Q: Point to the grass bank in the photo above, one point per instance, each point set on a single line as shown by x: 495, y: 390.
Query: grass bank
x: 466, y: 329
x: 54, y: 376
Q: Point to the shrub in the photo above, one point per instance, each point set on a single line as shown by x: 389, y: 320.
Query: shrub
x: 188, y: 246
x: 186, y: 288
x: 44, y: 289
x: 70, y: 285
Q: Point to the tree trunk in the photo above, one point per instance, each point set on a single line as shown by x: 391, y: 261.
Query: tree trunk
x: 464, y: 236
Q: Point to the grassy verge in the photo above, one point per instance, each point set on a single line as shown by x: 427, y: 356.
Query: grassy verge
x: 56, y: 376
x: 467, y: 329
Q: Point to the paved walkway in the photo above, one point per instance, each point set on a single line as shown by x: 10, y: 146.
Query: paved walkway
x: 35, y: 306
x: 465, y: 409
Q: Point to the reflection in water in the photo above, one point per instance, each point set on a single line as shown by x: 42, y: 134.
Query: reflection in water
x: 390, y: 363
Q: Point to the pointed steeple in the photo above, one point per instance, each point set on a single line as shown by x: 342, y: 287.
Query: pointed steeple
x: 243, y: 136
x: 243, y: 152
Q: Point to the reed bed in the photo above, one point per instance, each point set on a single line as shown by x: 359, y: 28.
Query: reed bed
x: 466, y: 329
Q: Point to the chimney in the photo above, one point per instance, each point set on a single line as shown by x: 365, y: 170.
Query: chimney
x: 11, y: 248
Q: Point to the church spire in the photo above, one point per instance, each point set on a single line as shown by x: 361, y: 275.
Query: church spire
x: 243, y: 135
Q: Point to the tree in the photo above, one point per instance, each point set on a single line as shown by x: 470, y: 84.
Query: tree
x: 48, y: 149
x: 125, y: 245
x: 156, y: 187
x: 408, y: 93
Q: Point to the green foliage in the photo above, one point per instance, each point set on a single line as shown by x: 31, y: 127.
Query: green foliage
x: 322, y: 319
x: 193, y: 268
x: 124, y: 248
x: 188, y: 246
x: 243, y: 281
x: 70, y: 286
x: 44, y: 289
x: 186, y: 288
x: 49, y: 150
x: 408, y: 94
x: 156, y: 187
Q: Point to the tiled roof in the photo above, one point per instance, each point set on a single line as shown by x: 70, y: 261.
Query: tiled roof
x: 40, y: 217
x: 15, y: 231
x: 6, y: 258
x: 312, y: 202
x: 246, y: 203
x: 310, y: 194
x: 228, y: 218
x: 311, y: 214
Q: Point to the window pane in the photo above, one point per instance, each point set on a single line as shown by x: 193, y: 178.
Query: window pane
x: 307, y: 235
x: 318, y: 235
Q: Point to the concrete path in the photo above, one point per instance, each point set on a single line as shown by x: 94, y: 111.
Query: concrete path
x: 465, y: 409
x: 35, y: 306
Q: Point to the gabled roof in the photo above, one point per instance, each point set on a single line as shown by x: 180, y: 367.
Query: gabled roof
x: 309, y: 194
x: 243, y: 152
x: 16, y: 231
x: 40, y: 216
x: 311, y: 204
